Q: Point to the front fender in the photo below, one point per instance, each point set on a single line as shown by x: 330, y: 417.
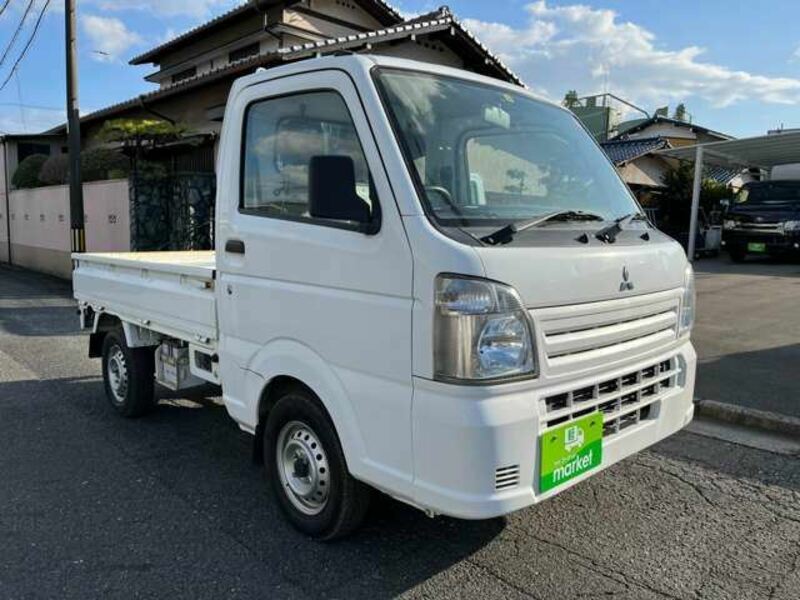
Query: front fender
x: 289, y: 358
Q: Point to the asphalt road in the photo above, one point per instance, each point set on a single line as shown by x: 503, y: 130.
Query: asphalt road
x: 94, y: 506
x: 748, y: 333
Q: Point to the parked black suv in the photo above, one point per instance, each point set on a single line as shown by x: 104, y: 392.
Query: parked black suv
x: 764, y: 218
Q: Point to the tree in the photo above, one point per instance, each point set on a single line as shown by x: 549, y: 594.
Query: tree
x: 138, y: 135
x: 676, y: 197
x: 680, y: 112
x: 571, y: 99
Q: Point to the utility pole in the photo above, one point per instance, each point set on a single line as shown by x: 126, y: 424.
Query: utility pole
x: 78, y: 234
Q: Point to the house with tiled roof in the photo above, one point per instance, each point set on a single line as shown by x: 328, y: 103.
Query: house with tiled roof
x: 194, y: 71
x: 634, y: 151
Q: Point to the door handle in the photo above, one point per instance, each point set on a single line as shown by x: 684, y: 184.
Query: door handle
x: 234, y: 246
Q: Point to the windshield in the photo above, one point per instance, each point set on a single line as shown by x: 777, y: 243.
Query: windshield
x: 485, y: 156
x: 769, y: 193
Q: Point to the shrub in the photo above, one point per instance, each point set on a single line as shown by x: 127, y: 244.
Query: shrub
x: 27, y: 173
x: 55, y: 170
x: 98, y: 164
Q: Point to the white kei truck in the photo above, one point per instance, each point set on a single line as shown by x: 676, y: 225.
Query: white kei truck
x: 426, y: 282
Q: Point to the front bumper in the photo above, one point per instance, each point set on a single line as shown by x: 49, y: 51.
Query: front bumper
x: 467, y: 438
x: 775, y: 242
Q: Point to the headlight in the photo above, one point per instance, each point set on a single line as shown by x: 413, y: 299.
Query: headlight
x: 729, y: 224
x: 689, y: 302
x: 791, y: 226
x: 481, y: 331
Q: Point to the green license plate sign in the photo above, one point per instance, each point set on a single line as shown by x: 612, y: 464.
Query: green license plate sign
x: 570, y: 450
x: 753, y: 247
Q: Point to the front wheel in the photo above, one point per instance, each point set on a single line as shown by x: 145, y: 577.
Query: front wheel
x: 307, y: 470
x: 128, y: 375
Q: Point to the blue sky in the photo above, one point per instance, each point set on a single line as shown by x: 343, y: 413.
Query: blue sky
x: 735, y: 64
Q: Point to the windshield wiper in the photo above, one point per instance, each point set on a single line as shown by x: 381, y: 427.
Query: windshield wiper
x: 507, y: 233
x: 609, y: 234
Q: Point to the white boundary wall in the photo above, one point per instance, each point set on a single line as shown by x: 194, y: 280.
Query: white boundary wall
x: 40, y: 231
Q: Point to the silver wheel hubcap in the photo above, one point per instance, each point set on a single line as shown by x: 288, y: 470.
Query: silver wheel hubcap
x: 303, y: 467
x: 118, y: 374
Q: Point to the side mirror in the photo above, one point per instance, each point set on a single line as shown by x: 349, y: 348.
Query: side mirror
x: 332, y: 193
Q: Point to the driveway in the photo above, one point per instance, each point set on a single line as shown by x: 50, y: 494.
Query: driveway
x: 171, y: 506
x: 748, y: 333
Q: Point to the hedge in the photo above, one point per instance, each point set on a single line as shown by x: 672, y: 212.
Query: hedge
x: 97, y: 164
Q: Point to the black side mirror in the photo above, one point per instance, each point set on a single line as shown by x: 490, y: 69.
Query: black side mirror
x: 332, y: 193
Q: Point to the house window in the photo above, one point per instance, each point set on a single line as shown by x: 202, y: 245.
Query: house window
x: 244, y: 52
x: 185, y: 74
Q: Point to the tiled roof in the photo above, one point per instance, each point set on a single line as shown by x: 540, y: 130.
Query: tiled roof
x: 391, y: 14
x: 720, y: 174
x: 622, y: 151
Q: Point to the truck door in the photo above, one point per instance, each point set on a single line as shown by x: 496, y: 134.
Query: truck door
x: 304, y: 288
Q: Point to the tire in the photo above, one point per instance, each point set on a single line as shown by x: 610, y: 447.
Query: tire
x: 128, y: 375
x: 307, y: 471
x: 738, y: 255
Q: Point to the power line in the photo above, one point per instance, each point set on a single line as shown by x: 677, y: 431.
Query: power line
x: 16, y: 33
x: 27, y: 44
x: 4, y: 7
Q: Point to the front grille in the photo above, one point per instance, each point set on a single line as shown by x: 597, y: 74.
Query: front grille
x: 761, y: 227
x: 625, y: 401
x: 585, y: 335
x: 506, y: 478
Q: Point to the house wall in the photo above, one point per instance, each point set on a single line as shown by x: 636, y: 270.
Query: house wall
x: 645, y: 170
x: 40, y: 229
x: 424, y: 50
x: 345, y: 10
x: 3, y: 213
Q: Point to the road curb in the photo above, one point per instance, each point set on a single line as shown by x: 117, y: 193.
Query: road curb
x: 748, y: 417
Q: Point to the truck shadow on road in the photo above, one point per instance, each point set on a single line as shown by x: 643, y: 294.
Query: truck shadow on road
x: 199, y: 466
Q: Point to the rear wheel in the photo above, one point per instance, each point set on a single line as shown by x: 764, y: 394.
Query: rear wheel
x: 307, y: 470
x: 128, y: 375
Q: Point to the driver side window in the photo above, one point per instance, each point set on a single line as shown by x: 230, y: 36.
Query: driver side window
x: 288, y: 141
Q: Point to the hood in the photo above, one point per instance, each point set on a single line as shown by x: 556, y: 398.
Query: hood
x: 557, y: 276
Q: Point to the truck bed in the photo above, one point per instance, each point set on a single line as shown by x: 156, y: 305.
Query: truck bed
x: 167, y: 292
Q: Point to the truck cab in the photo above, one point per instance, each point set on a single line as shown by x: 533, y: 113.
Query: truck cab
x: 764, y: 219
x: 426, y: 282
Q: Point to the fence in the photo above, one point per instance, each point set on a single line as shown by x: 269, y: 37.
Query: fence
x: 172, y: 212
x: 38, y: 220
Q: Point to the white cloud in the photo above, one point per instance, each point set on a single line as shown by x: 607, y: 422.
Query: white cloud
x: 191, y: 8
x: 592, y: 50
x: 108, y: 37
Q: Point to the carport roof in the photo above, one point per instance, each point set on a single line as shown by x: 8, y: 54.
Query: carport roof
x: 765, y: 151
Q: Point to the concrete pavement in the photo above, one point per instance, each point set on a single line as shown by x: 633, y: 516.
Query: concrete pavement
x: 94, y: 506
x: 748, y: 334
